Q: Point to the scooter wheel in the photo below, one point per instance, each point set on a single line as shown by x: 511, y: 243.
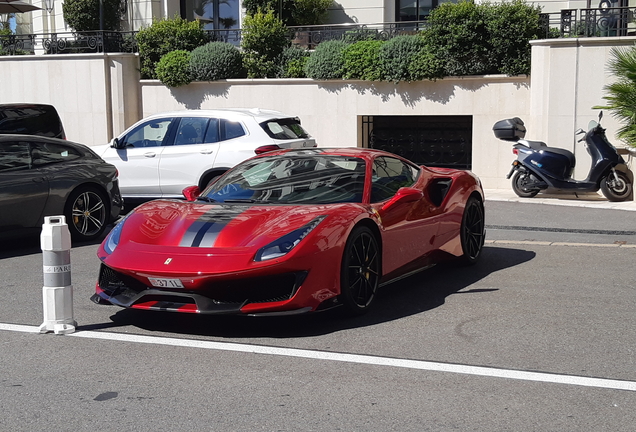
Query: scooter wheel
x: 616, y: 189
x: 519, y: 181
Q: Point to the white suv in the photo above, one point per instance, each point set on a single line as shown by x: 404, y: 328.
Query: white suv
x: 162, y: 154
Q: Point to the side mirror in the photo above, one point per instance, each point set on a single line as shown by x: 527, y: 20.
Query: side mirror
x: 115, y: 143
x: 404, y: 195
x: 191, y: 193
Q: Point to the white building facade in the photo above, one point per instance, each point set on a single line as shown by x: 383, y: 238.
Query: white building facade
x: 228, y: 14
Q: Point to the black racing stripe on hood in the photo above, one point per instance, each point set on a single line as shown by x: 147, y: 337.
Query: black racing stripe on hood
x: 205, y: 230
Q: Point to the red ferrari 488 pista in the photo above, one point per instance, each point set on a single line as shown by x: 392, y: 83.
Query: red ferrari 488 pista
x: 292, y: 231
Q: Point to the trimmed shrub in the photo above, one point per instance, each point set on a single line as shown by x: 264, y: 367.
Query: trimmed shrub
x: 396, y: 56
x: 173, y: 69
x: 362, y: 61
x: 293, y: 62
x: 510, y: 26
x: 165, y: 36
x: 458, y: 34
x: 264, y: 39
x: 83, y: 15
x: 296, y: 68
x: 425, y: 65
x: 216, y: 61
x: 327, y: 61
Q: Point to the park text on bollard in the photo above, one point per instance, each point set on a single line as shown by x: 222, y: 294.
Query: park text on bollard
x: 57, y: 292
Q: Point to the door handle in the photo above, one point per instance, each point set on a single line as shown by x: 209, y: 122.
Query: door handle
x: 149, y: 155
x: 38, y: 179
x: 206, y: 151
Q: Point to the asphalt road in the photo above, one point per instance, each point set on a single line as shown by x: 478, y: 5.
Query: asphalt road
x: 538, y: 336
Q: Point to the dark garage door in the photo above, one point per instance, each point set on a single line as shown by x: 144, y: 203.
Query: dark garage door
x: 437, y: 141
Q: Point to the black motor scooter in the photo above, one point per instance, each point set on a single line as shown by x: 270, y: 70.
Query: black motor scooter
x: 539, y: 167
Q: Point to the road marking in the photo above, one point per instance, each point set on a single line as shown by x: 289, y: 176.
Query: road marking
x: 349, y: 358
x: 549, y: 243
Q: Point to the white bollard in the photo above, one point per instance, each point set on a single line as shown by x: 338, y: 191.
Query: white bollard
x: 57, y: 292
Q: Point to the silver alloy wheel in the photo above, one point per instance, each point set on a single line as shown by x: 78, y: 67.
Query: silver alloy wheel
x: 88, y: 214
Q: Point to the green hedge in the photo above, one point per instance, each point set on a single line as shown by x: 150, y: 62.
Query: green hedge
x: 173, y: 69
x: 164, y: 36
x: 216, y: 61
x: 327, y: 61
x: 362, y: 60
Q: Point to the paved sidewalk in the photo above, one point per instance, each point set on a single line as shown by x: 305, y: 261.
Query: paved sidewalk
x: 590, y: 200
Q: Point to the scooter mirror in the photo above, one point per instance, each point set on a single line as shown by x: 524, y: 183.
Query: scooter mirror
x: 600, y: 116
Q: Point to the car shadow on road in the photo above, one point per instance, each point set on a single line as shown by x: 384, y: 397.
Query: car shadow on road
x: 414, y: 295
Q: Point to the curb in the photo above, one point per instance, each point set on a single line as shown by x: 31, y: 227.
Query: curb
x: 587, y: 200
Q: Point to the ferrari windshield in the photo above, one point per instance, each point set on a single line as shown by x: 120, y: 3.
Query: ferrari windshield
x: 298, y: 178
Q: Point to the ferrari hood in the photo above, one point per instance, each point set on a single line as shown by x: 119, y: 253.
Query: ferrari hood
x: 196, y: 225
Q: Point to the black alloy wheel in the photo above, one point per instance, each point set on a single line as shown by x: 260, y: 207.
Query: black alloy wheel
x: 472, y: 231
x: 360, y: 273
x: 519, y: 182
x: 86, y: 213
x: 616, y: 186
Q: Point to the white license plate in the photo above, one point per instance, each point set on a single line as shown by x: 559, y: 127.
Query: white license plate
x: 165, y: 283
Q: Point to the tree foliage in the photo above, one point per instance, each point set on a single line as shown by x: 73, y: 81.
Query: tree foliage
x: 621, y: 95
x: 264, y: 39
x: 294, y: 12
x: 484, y: 38
x: 83, y: 15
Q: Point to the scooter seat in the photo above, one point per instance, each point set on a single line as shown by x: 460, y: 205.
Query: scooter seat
x: 534, y: 145
x: 568, y: 154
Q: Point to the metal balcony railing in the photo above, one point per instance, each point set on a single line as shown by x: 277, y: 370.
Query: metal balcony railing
x: 598, y: 22
x: 583, y: 23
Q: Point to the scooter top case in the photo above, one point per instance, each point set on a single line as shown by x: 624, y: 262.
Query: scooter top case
x: 554, y: 162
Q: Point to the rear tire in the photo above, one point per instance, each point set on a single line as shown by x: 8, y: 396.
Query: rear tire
x: 472, y: 231
x: 86, y: 213
x: 616, y: 190
x: 519, y: 181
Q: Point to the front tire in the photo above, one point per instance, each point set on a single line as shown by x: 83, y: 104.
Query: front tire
x: 616, y: 189
x: 86, y: 213
x: 472, y: 231
x: 360, y: 272
x: 519, y: 181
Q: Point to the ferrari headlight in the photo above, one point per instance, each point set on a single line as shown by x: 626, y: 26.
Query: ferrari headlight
x: 112, y: 240
x: 286, y: 243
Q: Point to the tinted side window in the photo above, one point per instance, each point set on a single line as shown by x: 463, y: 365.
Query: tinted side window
x: 212, y: 134
x: 48, y: 153
x: 191, y: 130
x: 14, y: 156
x: 389, y: 175
x: 230, y: 130
x: 40, y: 120
x: 149, y: 134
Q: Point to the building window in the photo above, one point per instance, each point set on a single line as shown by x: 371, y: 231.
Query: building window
x: 416, y: 10
x: 215, y: 14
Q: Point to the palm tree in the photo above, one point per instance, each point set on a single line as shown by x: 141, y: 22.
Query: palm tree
x: 621, y: 95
